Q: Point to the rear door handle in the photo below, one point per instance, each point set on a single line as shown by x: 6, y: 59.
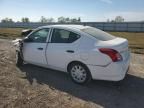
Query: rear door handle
x: 40, y: 48
x: 70, y: 51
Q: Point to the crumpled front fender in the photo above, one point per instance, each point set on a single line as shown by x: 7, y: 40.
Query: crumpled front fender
x: 18, y: 44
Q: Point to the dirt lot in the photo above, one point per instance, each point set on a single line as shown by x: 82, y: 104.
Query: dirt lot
x: 32, y: 86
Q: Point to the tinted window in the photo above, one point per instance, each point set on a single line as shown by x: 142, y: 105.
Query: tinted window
x: 63, y: 36
x: 98, y: 34
x: 39, y: 36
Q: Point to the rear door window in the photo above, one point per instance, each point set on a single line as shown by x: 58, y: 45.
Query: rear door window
x: 63, y: 36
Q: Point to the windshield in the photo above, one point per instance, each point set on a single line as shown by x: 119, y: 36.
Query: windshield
x: 98, y: 34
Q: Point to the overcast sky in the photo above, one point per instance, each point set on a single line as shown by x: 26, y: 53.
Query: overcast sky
x: 88, y: 10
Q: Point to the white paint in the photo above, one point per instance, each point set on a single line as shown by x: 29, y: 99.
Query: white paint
x: 86, y: 50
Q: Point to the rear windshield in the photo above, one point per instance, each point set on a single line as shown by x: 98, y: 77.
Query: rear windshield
x: 98, y: 34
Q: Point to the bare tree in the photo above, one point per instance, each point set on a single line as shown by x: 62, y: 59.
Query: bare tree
x: 108, y: 20
x: 25, y: 20
x: 46, y: 20
x: 61, y: 20
x: 50, y: 20
x: 43, y: 19
x: 68, y: 20
x: 79, y: 19
x: 7, y: 20
x: 119, y: 19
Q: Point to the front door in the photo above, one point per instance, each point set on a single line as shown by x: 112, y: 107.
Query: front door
x: 34, y: 50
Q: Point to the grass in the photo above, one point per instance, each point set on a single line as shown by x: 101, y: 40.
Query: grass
x: 136, y: 40
x: 10, y: 33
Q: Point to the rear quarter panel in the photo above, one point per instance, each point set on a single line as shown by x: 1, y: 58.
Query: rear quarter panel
x: 89, y: 53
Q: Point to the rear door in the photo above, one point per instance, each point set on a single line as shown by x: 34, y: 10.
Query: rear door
x: 61, y: 48
x: 34, y: 51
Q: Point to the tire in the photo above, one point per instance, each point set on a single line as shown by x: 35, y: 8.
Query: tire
x: 79, y: 73
x: 19, y: 60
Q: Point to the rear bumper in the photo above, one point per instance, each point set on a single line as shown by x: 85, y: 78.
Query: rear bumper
x: 115, y: 71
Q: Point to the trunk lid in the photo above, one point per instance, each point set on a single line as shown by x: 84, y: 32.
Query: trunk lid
x: 118, y: 44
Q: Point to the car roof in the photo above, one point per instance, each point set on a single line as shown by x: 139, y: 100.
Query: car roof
x: 72, y: 27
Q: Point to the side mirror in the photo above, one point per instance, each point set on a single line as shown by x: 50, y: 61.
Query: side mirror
x: 27, y: 40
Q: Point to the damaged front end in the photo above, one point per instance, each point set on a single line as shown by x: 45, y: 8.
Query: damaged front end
x: 18, y: 43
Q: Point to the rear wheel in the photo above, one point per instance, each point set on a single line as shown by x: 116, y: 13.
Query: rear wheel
x: 79, y: 73
x: 19, y: 60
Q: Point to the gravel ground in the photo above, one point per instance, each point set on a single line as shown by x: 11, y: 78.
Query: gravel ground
x: 31, y: 86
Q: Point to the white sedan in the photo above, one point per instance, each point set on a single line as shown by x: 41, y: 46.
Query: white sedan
x: 84, y: 52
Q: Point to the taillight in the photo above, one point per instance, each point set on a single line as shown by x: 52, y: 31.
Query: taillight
x: 113, y: 54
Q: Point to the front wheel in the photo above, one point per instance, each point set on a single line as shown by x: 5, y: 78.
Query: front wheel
x: 79, y: 73
x: 19, y: 60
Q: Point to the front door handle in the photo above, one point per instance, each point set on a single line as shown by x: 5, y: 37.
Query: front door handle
x: 70, y: 51
x: 40, y: 48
